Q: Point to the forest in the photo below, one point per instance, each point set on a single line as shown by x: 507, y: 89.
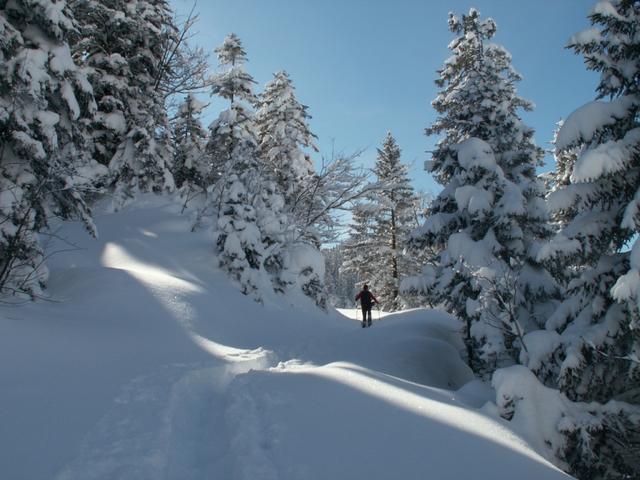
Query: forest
x: 102, y: 103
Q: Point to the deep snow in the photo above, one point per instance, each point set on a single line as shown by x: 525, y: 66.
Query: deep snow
x: 146, y: 363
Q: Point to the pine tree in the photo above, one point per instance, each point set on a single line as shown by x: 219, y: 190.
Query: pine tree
x: 121, y: 45
x: 490, y: 213
x: 284, y: 134
x: 43, y: 98
x: 191, y: 165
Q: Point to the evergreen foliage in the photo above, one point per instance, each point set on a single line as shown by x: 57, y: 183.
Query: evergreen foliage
x: 121, y: 44
x: 234, y: 84
x: 284, y: 133
x: 381, y: 226
x: 589, y: 349
x: 191, y: 166
x: 233, y: 150
x: 485, y: 222
x: 359, y: 249
x: 43, y: 98
x: 340, y: 284
x: 595, y: 200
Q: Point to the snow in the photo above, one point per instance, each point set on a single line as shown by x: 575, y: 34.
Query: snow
x: 148, y: 363
x: 114, y: 121
x: 475, y: 254
x: 540, y: 345
x: 607, y: 158
x: 537, y: 410
x: 474, y: 199
x: 590, y: 35
x: 474, y: 152
x: 606, y: 9
x: 583, y: 123
x: 628, y: 285
x: 67, y: 93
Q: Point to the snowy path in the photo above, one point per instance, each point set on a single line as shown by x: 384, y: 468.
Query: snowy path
x: 175, y: 375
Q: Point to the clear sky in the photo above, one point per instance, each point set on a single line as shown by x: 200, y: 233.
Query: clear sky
x: 365, y: 67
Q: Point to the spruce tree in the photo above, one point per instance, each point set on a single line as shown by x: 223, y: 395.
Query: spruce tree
x: 43, y: 99
x: 393, y: 220
x: 234, y: 85
x: 380, y: 229
x: 360, y: 248
x: 191, y: 168
x: 340, y: 284
x: 596, y: 201
x: 284, y: 134
x: 246, y: 201
x: 590, y: 347
x: 486, y: 220
x: 121, y: 44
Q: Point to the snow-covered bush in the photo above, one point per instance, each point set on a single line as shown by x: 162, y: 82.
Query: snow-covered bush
x: 590, y: 440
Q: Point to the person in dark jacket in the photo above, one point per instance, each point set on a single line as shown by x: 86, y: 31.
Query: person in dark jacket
x: 366, y: 302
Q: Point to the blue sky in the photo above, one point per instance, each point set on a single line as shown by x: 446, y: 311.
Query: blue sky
x: 367, y: 67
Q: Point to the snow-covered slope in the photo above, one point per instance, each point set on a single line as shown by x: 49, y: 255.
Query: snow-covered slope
x: 147, y: 364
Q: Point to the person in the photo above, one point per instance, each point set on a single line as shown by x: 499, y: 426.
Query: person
x: 366, y: 301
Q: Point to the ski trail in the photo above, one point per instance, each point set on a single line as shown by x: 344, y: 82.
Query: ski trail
x: 170, y: 424
x: 180, y: 421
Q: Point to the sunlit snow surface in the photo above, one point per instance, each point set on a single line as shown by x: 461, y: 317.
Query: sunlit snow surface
x: 147, y: 364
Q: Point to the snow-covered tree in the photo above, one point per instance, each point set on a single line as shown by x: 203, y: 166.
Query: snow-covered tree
x: 490, y: 213
x: 381, y: 227
x: 43, y: 98
x: 596, y: 200
x: 590, y: 348
x: 394, y: 219
x: 340, y: 284
x: 121, y: 44
x: 184, y: 68
x: 360, y: 248
x: 191, y: 168
x: 246, y: 201
x: 237, y: 238
x: 235, y: 85
x: 284, y: 134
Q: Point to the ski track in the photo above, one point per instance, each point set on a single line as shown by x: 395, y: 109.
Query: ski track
x: 179, y: 422
x: 174, y: 424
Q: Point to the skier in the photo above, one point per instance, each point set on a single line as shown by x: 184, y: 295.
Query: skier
x: 366, y: 299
